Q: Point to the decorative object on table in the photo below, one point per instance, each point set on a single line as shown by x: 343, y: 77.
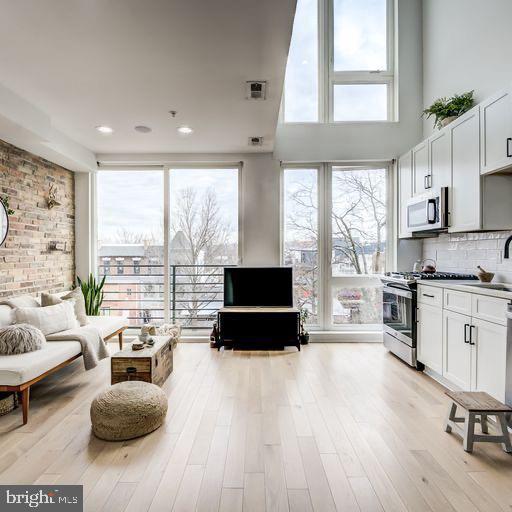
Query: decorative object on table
x: 8, y: 402
x: 143, y: 336
x: 478, y: 406
x: 484, y: 276
x: 304, y: 335
x: 428, y: 268
x: 20, y: 339
x: 93, y: 294
x: 446, y: 110
x: 172, y: 330
x: 128, y: 410
x: 137, y: 346
x: 51, y: 200
x: 149, y: 364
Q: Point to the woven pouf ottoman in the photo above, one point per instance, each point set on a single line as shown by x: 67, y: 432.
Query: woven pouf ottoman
x: 127, y: 410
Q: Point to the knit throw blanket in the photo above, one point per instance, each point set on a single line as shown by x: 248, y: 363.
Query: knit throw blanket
x: 93, y: 347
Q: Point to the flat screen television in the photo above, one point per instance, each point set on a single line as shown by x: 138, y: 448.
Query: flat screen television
x: 258, y: 286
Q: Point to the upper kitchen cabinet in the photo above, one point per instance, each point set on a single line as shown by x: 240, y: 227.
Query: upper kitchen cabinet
x: 440, y: 165
x: 420, y: 169
x: 476, y: 202
x: 496, y: 132
x: 465, y: 208
x: 404, y: 168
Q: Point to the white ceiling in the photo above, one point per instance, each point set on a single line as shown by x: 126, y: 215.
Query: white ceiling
x: 124, y: 63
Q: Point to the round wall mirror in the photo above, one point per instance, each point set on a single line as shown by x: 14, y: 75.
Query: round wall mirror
x: 4, y: 223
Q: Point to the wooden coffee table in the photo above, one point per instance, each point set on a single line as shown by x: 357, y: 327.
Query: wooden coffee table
x: 151, y: 364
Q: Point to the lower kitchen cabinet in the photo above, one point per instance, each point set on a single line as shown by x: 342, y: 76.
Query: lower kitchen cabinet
x: 430, y: 337
x: 457, y: 350
x: 489, y: 347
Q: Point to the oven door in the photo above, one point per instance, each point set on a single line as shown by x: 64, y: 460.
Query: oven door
x: 399, y: 313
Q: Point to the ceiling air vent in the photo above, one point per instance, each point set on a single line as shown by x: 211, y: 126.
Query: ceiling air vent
x: 255, y: 141
x: 256, y: 89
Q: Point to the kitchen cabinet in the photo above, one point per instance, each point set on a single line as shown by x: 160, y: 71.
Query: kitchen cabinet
x: 496, y: 132
x: 439, y: 156
x: 465, y: 201
x: 457, y: 350
x: 404, y: 168
x: 430, y: 337
x: 489, y: 356
x: 462, y: 336
x: 420, y: 169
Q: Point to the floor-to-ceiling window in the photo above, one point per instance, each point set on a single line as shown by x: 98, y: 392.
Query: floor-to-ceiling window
x: 130, y: 243
x: 203, y: 227
x: 162, y: 247
x: 301, y: 236
x: 335, y: 235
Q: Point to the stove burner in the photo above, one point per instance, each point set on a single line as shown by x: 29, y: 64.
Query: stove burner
x: 431, y: 275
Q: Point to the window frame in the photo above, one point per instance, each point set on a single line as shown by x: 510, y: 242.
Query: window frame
x: 328, y: 77
x: 325, y: 282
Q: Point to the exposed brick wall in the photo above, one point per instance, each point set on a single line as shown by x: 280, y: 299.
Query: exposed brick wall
x: 26, y: 263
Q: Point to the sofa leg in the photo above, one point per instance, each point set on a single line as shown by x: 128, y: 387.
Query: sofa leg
x: 25, y: 399
x: 120, y: 335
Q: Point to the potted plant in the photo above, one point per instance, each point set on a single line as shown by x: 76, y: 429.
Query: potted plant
x: 446, y: 110
x: 303, y: 335
x: 93, y: 294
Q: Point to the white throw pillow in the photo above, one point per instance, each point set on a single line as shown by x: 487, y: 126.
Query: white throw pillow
x: 50, y: 299
x: 50, y: 319
x: 21, y: 301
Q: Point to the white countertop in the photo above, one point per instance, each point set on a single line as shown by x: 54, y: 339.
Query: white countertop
x: 471, y: 287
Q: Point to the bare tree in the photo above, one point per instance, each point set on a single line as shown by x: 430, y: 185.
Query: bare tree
x: 201, y: 239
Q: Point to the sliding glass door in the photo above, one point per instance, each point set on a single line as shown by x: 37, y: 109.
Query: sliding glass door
x: 335, y: 233
x: 163, y: 238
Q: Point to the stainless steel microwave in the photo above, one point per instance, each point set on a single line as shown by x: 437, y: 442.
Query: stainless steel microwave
x: 428, y: 212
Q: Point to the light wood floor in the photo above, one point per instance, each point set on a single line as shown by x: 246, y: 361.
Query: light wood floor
x: 336, y: 427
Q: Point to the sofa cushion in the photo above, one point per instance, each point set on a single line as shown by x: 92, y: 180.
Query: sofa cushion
x: 7, y: 316
x: 21, y: 301
x: 50, y: 319
x: 21, y: 368
x: 108, y: 325
x: 20, y: 338
x: 51, y: 299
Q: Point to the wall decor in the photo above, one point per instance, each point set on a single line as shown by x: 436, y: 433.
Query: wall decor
x: 4, y: 220
x: 52, y: 197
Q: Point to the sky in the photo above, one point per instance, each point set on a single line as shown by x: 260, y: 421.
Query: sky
x: 359, y: 44
x: 134, y: 200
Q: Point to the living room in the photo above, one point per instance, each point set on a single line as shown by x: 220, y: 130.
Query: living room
x: 255, y: 256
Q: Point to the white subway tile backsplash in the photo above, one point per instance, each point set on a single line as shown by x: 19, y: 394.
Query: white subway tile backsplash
x: 463, y: 252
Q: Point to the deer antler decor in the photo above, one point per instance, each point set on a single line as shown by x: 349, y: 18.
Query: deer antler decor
x: 52, y: 201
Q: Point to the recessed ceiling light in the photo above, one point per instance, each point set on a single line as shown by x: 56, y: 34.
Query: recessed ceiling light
x: 186, y: 130
x: 104, y: 129
x: 142, y: 129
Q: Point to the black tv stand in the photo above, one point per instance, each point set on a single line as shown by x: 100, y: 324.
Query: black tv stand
x: 258, y: 328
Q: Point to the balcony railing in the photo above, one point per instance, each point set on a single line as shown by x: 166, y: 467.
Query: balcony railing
x: 196, y: 292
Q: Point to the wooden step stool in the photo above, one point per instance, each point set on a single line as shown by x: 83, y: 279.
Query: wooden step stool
x: 478, y: 406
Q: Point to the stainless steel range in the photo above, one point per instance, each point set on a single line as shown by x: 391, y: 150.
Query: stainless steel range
x: 399, y: 307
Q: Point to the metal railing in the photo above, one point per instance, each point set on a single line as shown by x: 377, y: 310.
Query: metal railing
x: 196, y: 292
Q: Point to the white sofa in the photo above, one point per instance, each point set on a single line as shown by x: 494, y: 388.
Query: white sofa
x: 18, y: 372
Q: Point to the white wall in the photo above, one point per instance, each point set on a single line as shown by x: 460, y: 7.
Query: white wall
x: 368, y: 141
x: 260, y: 197
x: 466, y: 45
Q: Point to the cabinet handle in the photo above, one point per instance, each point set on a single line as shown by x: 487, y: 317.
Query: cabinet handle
x: 427, y: 295
x: 509, y: 140
x: 466, y: 340
x: 425, y: 182
x: 471, y: 342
